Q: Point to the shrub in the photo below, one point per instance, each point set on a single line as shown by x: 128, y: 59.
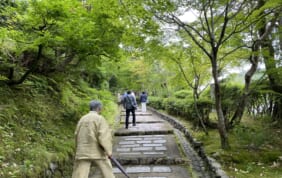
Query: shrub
x: 230, y: 99
x: 183, y: 107
x: 182, y: 94
x: 156, y: 102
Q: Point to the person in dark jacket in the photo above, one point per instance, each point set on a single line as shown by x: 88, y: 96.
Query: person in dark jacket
x: 143, y: 100
x: 130, y: 105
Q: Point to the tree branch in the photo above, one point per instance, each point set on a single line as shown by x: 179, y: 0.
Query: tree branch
x: 32, y: 69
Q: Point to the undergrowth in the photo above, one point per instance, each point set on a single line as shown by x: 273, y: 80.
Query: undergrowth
x: 256, y: 149
x: 37, y: 122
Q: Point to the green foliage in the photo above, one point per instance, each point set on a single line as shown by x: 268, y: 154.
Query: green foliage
x: 251, y: 136
x: 182, y: 94
x: 255, y: 149
x: 184, y: 108
x: 230, y: 98
x: 156, y: 102
x: 37, y: 123
x: 30, y: 122
x: 113, y: 45
x: 72, y: 36
x: 263, y: 100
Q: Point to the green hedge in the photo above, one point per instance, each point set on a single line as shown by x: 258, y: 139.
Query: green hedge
x: 183, y: 107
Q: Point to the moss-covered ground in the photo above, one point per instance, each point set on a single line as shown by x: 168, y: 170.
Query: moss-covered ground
x: 37, y: 122
x: 256, y: 148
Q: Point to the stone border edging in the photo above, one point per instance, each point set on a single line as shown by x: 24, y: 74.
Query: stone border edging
x: 213, y: 166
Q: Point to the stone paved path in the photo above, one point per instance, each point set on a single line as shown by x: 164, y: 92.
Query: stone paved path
x: 151, y: 149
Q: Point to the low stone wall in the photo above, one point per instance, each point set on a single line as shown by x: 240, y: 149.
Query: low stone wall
x: 211, y: 164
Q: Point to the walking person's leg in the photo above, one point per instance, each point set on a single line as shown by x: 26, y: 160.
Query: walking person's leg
x: 143, y: 106
x: 133, y: 117
x: 127, y: 111
x: 81, y: 168
x: 105, y: 167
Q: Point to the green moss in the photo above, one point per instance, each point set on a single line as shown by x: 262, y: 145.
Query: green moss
x: 256, y: 149
x: 37, y: 123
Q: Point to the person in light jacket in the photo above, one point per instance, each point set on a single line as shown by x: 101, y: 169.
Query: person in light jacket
x: 93, y: 139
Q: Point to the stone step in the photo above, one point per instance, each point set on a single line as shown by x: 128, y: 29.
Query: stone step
x: 153, y: 161
x: 137, y: 114
x: 150, y: 171
x: 142, y: 119
x: 147, y: 149
x: 145, y: 129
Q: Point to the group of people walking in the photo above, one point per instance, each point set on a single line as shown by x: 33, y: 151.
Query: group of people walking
x: 93, y: 136
x: 128, y: 100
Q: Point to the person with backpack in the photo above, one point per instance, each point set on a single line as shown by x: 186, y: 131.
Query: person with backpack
x: 130, y: 105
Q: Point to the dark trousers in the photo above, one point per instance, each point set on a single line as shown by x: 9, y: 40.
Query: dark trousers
x: 127, y: 117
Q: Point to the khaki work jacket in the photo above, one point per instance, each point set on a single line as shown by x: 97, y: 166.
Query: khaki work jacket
x: 93, y: 137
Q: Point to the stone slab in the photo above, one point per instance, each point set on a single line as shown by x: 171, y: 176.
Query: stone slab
x: 150, y: 171
x: 138, y: 114
x: 166, y: 146
x: 145, y: 129
x: 142, y: 119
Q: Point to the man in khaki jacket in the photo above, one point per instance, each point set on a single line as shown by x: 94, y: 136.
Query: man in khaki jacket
x: 93, y: 139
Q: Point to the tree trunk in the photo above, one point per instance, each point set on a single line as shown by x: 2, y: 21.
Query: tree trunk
x: 200, y: 117
x: 218, y: 106
x: 263, y: 32
x: 195, y: 88
x: 236, y: 119
x: 272, y: 71
x: 280, y: 34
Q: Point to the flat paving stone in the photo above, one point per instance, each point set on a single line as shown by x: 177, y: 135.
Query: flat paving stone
x: 142, y: 149
x: 161, y: 148
x: 126, y: 143
x: 138, y: 169
x: 123, y: 149
x: 154, y: 153
x: 161, y: 169
x: 155, y: 145
x: 135, y: 145
x: 168, y: 147
x: 130, y: 154
x: 133, y: 138
x: 144, y: 141
x: 150, y: 171
x: 159, y: 141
